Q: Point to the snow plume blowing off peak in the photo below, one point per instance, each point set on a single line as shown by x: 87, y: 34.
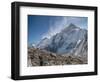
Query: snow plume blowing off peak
x: 55, y: 27
x: 62, y: 22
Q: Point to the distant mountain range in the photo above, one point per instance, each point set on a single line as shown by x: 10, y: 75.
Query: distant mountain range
x: 71, y: 40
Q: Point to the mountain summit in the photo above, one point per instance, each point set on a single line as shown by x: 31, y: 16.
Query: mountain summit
x: 72, y: 26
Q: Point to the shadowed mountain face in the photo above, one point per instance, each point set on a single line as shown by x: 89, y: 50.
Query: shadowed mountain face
x: 71, y: 40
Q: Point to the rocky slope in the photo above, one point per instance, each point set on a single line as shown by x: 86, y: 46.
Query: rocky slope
x: 40, y: 57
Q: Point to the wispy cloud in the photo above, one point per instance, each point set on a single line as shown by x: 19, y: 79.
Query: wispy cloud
x: 56, y: 27
x: 60, y: 23
x: 81, y: 22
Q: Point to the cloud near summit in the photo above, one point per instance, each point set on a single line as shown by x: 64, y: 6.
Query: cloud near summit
x: 55, y: 26
x: 60, y: 22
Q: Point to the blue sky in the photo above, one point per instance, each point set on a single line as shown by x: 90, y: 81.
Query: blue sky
x: 40, y: 26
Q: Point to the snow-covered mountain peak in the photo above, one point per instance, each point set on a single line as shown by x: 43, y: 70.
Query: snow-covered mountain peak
x: 71, y: 39
x: 70, y: 27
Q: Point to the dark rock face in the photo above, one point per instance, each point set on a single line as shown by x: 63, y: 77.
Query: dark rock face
x: 39, y: 57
